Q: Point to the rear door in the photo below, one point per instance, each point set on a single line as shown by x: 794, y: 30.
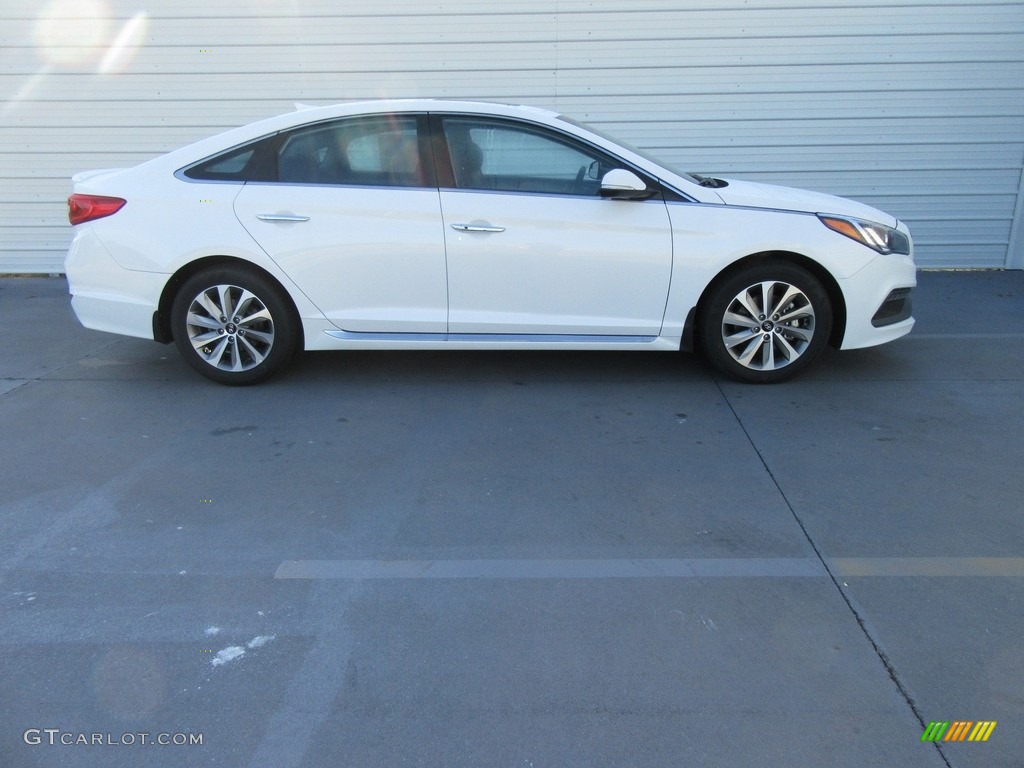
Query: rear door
x: 349, y: 210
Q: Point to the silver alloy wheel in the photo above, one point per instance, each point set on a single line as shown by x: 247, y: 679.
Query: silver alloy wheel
x: 230, y: 328
x: 768, y: 325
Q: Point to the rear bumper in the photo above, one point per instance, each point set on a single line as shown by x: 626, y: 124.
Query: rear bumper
x: 104, y: 295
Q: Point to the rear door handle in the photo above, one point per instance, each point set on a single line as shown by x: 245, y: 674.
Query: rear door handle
x: 476, y: 228
x: 281, y: 217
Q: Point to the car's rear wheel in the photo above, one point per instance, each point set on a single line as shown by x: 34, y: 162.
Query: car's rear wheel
x: 233, y: 325
x: 766, y: 323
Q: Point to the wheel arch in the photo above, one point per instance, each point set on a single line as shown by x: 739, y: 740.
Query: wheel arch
x: 162, y: 331
x: 828, y: 282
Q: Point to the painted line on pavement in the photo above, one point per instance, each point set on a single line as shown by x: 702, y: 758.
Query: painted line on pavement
x: 662, y: 568
x: 928, y: 566
x: 927, y: 336
x: 549, y: 569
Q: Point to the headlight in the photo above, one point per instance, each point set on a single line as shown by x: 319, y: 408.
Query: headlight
x: 877, y: 237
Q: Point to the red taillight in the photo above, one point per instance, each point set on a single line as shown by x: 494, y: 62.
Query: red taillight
x: 83, y: 208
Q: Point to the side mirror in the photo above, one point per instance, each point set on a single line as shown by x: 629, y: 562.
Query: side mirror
x: 621, y: 184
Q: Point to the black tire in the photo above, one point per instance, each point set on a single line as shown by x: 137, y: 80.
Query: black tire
x: 758, y: 345
x: 253, y: 340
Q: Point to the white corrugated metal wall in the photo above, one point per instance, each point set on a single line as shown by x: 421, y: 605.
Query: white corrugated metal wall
x: 916, y: 106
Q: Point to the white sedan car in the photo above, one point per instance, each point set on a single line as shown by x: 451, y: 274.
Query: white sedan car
x: 448, y: 225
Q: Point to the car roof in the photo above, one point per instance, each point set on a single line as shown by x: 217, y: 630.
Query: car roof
x: 423, y: 105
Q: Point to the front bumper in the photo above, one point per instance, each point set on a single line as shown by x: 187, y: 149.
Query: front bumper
x: 878, y: 302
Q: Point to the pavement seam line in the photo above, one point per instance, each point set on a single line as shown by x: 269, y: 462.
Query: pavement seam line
x: 46, y: 376
x: 882, y: 656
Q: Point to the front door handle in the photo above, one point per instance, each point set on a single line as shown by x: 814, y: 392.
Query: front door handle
x: 476, y: 228
x: 281, y: 217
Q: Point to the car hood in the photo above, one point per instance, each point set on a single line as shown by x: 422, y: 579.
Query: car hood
x: 757, y: 195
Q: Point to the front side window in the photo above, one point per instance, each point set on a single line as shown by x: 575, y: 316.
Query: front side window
x: 378, y: 152
x: 506, y: 156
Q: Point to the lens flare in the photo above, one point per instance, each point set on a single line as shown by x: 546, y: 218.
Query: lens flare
x: 72, y: 33
x: 125, y: 45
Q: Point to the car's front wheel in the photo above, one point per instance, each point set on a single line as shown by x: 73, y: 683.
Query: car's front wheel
x: 766, y: 323
x: 233, y: 325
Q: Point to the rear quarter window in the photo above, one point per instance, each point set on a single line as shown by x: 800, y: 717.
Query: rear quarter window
x: 237, y: 165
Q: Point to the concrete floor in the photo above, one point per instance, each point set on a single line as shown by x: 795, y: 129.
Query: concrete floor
x: 513, y: 559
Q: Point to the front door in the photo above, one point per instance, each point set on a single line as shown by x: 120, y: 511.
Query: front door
x: 533, y: 249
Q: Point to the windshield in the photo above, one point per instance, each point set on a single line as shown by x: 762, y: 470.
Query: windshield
x: 626, y: 145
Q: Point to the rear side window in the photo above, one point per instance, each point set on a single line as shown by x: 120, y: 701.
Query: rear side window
x: 384, y: 151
